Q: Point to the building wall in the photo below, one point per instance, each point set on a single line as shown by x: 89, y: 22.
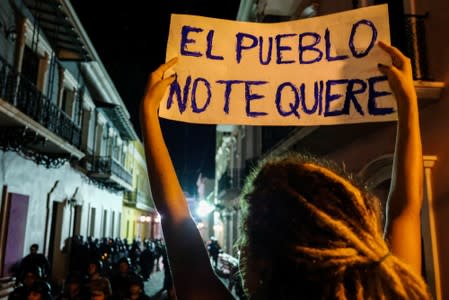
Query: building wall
x: 7, y: 18
x: 129, y: 223
x: 435, y: 126
x: 53, y: 188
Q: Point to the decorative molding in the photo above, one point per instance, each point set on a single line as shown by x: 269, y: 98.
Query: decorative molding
x: 17, y: 139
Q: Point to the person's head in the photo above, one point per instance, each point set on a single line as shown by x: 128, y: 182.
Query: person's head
x: 73, y: 284
x: 309, y: 228
x: 34, y: 248
x: 30, y: 275
x: 95, y: 266
x: 100, y: 289
x: 39, y: 290
x: 123, y: 265
x: 136, y: 285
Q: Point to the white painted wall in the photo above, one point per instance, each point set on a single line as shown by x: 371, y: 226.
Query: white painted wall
x: 25, y: 177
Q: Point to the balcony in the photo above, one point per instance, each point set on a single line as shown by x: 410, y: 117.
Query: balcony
x: 130, y: 198
x: 31, y: 124
x: 230, y: 184
x: 138, y: 200
x: 108, y: 171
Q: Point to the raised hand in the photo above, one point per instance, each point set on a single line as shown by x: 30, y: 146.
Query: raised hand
x: 157, y: 85
x: 399, y: 75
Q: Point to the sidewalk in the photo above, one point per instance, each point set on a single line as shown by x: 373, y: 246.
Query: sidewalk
x: 154, y: 285
x: 156, y: 281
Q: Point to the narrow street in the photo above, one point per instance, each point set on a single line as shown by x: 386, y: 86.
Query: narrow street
x: 154, y: 285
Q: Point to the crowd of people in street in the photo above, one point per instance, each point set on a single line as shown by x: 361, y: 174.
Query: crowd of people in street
x: 99, y: 269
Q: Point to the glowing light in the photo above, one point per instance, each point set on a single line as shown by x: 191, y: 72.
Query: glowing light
x: 204, y: 208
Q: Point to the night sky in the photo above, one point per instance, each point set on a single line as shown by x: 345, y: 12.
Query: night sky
x: 130, y: 38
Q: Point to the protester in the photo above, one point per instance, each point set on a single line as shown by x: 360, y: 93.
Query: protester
x: 146, y: 260
x: 74, y: 287
x: 120, y: 280
x: 35, y: 259
x: 309, y: 232
x: 214, y: 249
x: 27, y: 278
x: 100, y: 289
x: 39, y: 290
x: 136, y: 289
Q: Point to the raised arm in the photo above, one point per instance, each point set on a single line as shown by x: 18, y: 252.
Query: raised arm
x: 193, y: 275
x: 403, y: 223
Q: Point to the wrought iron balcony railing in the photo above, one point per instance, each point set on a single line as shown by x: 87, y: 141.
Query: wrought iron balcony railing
x: 142, y: 198
x: 130, y: 198
x: 23, y: 94
x: 134, y: 197
x: 106, y: 166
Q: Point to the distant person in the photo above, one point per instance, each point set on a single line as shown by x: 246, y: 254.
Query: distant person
x: 25, y: 281
x: 146, y: 260
x: 308, y: 230
x: 37, y: 259
x: 136, y: 289
x: 94, y: 269
x: 74, y: 287
x: 40, y: 290
x: 100, y: 289
x: 120, y: 279
x: 214, y: 249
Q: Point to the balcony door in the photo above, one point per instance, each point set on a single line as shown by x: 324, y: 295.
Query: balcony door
x: 30, y: 66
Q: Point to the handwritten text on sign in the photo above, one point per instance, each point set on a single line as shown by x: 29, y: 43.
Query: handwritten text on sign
x: 314, y: 71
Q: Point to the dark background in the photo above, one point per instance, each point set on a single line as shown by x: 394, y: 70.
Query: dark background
x: 130, y: 38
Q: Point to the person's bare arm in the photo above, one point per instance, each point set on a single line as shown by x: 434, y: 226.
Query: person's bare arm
x: 193, y: 275
x: 403, y: 223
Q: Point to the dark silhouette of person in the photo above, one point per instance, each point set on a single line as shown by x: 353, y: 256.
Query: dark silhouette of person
x: 39, y: 290
x: 136, y: 289
x: 214, y: 249
x: 121, y: 278
x: 35, y: 259
x: 74, y: 287
x: 25, y: 281
x: 146, y: 261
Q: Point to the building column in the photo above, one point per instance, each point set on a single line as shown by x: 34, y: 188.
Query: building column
x: 99, y: 131
x: 228, y: 217
x: 429, y: 234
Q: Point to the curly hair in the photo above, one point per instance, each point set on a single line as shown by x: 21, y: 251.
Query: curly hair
x: 321, y: 232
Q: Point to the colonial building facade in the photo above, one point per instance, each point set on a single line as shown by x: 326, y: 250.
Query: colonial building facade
x: 69, y: 155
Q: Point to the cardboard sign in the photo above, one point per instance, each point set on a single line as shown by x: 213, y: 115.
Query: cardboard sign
x: 315, y: 71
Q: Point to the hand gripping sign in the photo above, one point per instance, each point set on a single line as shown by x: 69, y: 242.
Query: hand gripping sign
x: 316, y: 71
